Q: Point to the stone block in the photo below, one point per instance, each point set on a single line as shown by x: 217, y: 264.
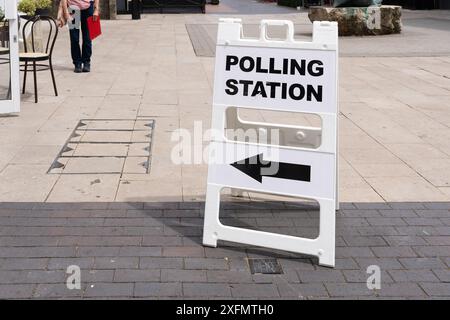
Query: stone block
x: 360, y: 21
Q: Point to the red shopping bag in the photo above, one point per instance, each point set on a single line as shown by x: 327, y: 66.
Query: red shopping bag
x: 94, y: 27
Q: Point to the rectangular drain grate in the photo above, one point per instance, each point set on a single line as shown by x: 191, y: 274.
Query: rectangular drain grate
x: 265, y: 266
x: 107, y: 146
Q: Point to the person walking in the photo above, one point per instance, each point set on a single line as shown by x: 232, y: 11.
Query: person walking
x: 81, y: 57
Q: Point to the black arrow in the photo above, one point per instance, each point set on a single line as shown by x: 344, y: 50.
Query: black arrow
x: 252, y: 167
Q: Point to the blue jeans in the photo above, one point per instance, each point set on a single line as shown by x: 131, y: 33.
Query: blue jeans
x: 82, y: 55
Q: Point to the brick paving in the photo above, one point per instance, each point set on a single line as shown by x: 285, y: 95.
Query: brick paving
x: 142, y: 250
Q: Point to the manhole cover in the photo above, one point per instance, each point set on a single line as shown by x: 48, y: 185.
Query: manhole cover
x: 265, y: 266
x: 107, y: 146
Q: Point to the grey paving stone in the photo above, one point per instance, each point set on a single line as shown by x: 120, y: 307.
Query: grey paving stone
x: 22, y: 263
x: 206, y: 264
x: 321, y: 276
x: 437, y: 205
x: 144, y: 213
x: 347, y: 205
x: 401, y: 290
x: 383, y: 263
x: 422, y: 263
x: 158, y: 289
x: 352, y: 222
x: 229, y: 276
x: 36, y: 252
x: 442, y: 231
x: 377, y: 231
x: 140, y: 251
x: 206, y: 290
x: 407, y: 205
x: 140, y: 231
x: 137, y: 275
x: 288, y: 276
x: 16, y: 291
x: 423, y: 221
x: 393, y: 252
x: 447, y: 261
x: 64, y: 263
x: 395, y: 241
x: 109, y: 290
x: 136, y: 222
x: 348, y: 290
x: 368, y: 241
x: 386, y: 221
x: 353, y: 252
x: 21, y: 241
x: 361, y: 276
x: 413, y: 276
x: 254, y: 291
x: 57, y: 290
x: 97, y: 276
x: 302, y: 290
x: 125, y: 205
x: 162, y: 241
x: 31, y: 276
x: 420, y: 231
x: 436, y: 289
x: 345, y: 263
x: 238, y: 264
x: 442, y: 274
x: 359, y: 213
x: 374, y: 205
x: 443, y: 213
x: 183, y: 251
x: 174, y: 275
x: 438, y: 240
x: 99, y: 241
x: 398, y: 213
x: 160, y: 263
x: 98, y: 251
x: 296, y: 264
x: 116, y: 262
x: 432, y: 251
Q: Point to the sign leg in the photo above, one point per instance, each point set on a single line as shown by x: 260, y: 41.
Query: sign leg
x: 327, y: 232
x: 212, y: 222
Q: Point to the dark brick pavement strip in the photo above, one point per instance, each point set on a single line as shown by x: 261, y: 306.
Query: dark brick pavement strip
x: 158, y: 289
x: 16, y: 291
x: 154, y: 251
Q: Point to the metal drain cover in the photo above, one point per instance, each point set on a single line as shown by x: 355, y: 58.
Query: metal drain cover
x: 107, y: 146
x: 265, y: 266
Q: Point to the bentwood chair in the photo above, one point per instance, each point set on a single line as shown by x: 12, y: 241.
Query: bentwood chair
x: 38, y: 57
x: 4, y: 48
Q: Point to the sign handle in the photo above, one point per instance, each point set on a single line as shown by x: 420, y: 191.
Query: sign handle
x: 280, y: 23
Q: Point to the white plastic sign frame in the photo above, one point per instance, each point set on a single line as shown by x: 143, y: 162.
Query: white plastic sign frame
x: 12, y: 105
x: 306, y: 75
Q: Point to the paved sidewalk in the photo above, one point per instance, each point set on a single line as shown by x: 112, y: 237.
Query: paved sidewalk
x: 148, y: 250
x: 394, y: 123
x: 138, y: 234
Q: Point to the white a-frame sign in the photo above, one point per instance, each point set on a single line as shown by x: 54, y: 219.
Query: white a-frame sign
x: 282, y: 75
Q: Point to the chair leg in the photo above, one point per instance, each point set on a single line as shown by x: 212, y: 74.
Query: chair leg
x: 53, y: 77
x: 35, y: 83
x: 25, y: 77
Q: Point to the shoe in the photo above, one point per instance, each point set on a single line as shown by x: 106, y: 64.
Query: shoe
x: 77, y: 69
x: 86, y: 67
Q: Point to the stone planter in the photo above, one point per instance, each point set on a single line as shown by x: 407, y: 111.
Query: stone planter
x: 360, y: 21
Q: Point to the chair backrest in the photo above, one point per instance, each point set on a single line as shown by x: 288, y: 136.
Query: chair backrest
x: 49, y: 29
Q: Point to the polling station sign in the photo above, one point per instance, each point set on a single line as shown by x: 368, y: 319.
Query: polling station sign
x: 281, y: 75
x: 276, y: 78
